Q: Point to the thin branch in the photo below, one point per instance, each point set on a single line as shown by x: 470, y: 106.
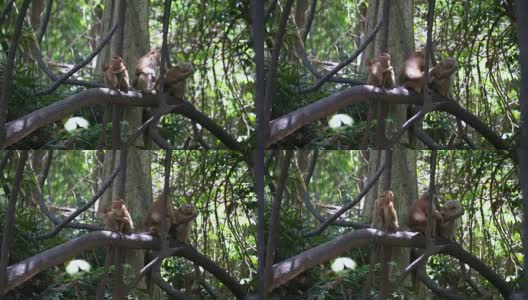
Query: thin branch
x: 258, y: 18
x: 413, y: 265
x: 5, y: 90
x: 274, y: 62
x: 5, y: 11
x: 308, y: 203
x: 80, y: 210
x: 3, y: 164
x: 348, y: 206
x: 164, y: 48
x: 9, y: 220
x: 427, y: 140
x: 428, y: 101
x: 86, y: 61
x: 275, y: 217
x: 44, y: 23
x: 346, y: 62
x: 308, y: 26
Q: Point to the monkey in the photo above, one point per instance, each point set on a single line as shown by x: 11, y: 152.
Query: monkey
x: 118, y: 218
x: 380, y: 71
x: 153, y: 220
x: 116, y: 74
x: 384, y: 214
x: 146, y: 71
x: 441, y: 76
x: 175, y: 79
x: 375, y: 77
x: 412, y: 73
x: 390, y: 217
x: 387, y: 71
x: 380, y: 74
x: 419, y: 213
x: 451, y: 212
x: 183, y: 217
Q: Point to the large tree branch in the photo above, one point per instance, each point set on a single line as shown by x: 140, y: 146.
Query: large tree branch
x: 289, y: 123
x: 25, y: 125
x: 26, y: 269
x: 293, y: 266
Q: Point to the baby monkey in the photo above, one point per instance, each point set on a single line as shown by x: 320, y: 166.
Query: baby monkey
x: 117, y: 218
x: 116, y: 74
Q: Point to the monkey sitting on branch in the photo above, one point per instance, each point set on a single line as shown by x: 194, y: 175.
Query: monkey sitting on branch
x: 175, y: 80
x: 146, y: 71
x: 451, y: 213
x: 413, y: 71
x: 419, y: 212
x: 380, y: 71
x: 441, y: 76
x: 179, y: 220
x: 384, y: 215
x: 117, y: 218
x: 116, y: 74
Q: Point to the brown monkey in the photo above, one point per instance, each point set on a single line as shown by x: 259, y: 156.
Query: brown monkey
x: 451, y: 212
x: 118, y: 218
x: 419, y: 213
x: 412, y: 73
x: 375, y: 77
x: 183, y: 218
x: 153, y: 219
x: 384, y: 214
x: 175, y: 79
x: 441, y: 76
x: 116, y: 74
x: 386, y: 70
x: 146, y: 71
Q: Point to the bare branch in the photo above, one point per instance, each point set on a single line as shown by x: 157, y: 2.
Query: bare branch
x: 9, y: 220
x: 289, y: 123
x: 346, y: 62
x: 352, y: 203
x: 80, y: 210
x: 9, y: 66
x: 86, y: 61
x: 44, y: 23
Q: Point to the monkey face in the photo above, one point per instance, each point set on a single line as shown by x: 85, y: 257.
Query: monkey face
x: 451, y: 208
x: 117, y: 65
x: 384, y: 59
x: 188, y: 209
x: 118, y: 204
x: 185, y: 67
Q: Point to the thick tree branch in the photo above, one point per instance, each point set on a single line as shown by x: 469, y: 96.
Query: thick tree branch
x: 26, y: 269
x: 289, y: 123
x: 25, y: 125
x: 291, y: 267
